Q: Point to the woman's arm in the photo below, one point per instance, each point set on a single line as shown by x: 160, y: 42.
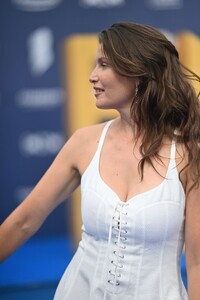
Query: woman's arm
x: 60, y: 180
x: 192, y: 243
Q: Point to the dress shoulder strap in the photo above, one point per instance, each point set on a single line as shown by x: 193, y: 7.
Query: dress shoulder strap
x: 173, y: 149
x: 103, y: 135
x: 172, y: 169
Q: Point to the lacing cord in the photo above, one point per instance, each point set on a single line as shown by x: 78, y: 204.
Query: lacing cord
x: 117, y: 231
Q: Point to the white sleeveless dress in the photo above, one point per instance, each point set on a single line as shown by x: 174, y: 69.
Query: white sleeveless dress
x: 129, y: 250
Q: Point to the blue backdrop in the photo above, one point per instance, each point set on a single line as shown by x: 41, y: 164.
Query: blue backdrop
x: 32, y: 122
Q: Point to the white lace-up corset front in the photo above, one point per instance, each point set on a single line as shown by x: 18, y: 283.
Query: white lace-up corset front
x: 117, y: 236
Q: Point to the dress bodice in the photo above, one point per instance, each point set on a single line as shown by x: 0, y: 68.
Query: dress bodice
x: 129, y: 250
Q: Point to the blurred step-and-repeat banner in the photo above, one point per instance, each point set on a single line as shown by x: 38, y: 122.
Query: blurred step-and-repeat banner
x: 47, y: 50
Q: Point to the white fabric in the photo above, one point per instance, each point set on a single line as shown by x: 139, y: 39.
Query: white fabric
x: 131, y: 250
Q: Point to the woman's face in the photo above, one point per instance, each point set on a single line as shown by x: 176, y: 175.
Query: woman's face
x: 111, y: 90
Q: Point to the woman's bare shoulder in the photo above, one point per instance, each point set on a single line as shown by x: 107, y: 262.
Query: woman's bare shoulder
x: 85, y: 142
x: 88, y: 131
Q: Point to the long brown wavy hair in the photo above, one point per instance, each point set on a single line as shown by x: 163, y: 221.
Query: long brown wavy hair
x: 166, y: 100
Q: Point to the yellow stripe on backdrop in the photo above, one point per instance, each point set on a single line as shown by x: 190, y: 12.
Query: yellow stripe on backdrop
x: 79, y: 60
x: 188, y: 45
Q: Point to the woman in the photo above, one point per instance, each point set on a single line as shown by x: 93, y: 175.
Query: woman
x: 139, y: 177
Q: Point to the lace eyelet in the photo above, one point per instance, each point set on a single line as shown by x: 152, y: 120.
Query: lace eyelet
x: 113, y: 283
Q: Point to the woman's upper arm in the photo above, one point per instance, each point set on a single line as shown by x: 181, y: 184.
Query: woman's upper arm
x: 192, y: 227
x: 58, y: 182
x: 192, y: 243
x: 61, y: 178
x: 192, y: 219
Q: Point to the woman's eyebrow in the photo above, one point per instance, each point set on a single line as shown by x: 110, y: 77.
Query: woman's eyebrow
x: 102, y: 60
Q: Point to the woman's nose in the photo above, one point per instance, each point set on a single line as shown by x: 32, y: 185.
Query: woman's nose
x: 93, y: 76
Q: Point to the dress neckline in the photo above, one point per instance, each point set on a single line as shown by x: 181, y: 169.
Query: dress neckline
x: 134, y: 197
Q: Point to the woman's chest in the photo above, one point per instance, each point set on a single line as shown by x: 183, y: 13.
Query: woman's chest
x: 152, y: 216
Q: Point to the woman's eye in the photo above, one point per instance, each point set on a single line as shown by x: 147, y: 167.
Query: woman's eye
x: 103, y: 64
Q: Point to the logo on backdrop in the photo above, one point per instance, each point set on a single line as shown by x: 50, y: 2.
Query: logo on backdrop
x: 101, y: 3
x: 39, y: 98
x: 40, y: 51
x: 165, y: 4
x: 40, y: 143
x: 36, y: 5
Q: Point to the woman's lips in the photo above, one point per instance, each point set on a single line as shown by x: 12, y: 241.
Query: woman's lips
x: 98, y: 91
